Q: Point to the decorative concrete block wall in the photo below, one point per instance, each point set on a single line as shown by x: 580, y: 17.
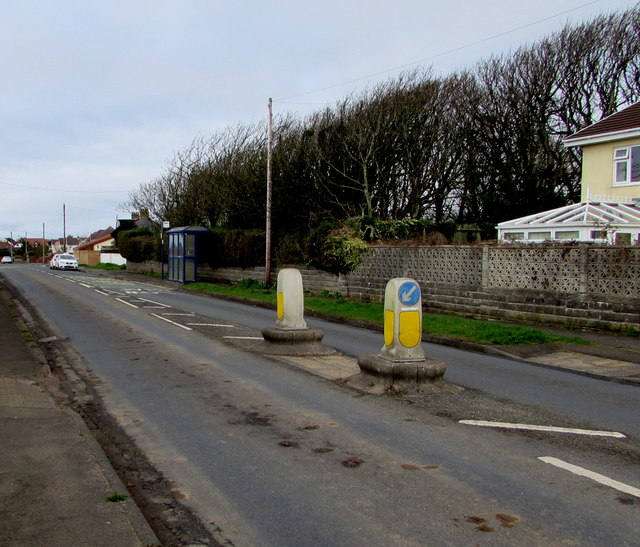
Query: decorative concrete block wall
x: 579, y: 285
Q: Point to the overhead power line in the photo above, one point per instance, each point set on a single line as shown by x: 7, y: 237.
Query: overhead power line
x: 435, y: 56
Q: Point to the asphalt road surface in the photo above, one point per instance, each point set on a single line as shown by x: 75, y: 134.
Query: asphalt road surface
x: 267, y: 454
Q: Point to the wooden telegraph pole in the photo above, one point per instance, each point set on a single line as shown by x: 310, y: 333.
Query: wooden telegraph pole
x: 267, y: 266
x: 64, y: 227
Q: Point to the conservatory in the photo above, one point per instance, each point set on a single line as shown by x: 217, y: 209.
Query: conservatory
x: 596, y: 222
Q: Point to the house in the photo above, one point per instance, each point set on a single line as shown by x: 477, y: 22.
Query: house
x: 34, y: 242
x: 62, y: 245
x: 99, y: 249
x: 609, y: 210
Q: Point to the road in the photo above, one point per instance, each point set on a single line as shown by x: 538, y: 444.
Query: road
x: 267, y: 454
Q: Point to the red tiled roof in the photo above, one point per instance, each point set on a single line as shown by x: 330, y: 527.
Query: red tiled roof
x: 624, y: 120
x: 90, y: 244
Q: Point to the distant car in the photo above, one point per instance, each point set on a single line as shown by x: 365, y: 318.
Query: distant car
x: 66, y: 262
x: 6, y: 260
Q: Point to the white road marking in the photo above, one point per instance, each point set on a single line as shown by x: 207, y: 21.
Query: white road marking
x: 172, y: 322
x: 99, y: 291
x: 85, y: 285
x: 244, y: 337
x: 553, y: 429
x: 157, y: 303
x: 171, y: 313
x: 597, y: 477
x: 127, y: 303
x: 209, y: 325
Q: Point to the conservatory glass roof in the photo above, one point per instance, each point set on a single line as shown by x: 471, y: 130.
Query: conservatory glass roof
x: 584, y: 213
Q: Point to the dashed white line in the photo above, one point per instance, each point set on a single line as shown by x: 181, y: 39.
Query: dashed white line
x: 184, y: 314
x: 553, y: 429
x: 101, y: 292
x: 85, y: 285
x: 172, y: 322
x: 244, y: 337
x: 597, y: 477
x: 127, y: 303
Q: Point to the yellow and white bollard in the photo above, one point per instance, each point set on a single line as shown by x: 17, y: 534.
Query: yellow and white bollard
x: 401, y: 365
x: 291, y: 335
x: 290, y: 304
x: 402, y: 321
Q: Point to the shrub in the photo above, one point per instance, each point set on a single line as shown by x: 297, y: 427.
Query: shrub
x: 139, y: 245
x: 342, y: 252
x: 290, y: 249
x: 235, y: 248
x: 371, y: 229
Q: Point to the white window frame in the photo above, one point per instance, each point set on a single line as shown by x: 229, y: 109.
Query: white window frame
x: 623, y: 156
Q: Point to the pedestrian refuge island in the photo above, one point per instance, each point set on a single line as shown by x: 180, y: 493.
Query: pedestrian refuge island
x: 291, y: 336
x: 401, y: 364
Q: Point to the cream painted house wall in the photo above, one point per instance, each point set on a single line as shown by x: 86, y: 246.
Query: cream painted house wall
x: 598, y: 173
x: 109, y: 243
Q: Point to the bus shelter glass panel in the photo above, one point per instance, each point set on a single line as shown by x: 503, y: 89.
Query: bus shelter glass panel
x: 189, y: 258
x: 175, y: 266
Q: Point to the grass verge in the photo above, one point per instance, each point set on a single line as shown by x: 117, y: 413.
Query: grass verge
x: 102, y: 266
x: 473, y: 330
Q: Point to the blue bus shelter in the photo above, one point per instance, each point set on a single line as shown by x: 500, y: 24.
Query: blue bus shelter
x: 182, y: 259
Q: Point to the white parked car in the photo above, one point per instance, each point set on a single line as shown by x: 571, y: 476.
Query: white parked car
x: 6, y: 260
x: 53, y: 263
x: 66, y: 262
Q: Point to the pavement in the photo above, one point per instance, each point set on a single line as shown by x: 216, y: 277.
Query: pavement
x: 55, y: 481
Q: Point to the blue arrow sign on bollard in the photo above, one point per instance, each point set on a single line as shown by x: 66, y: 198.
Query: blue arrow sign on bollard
x: 409, y: 293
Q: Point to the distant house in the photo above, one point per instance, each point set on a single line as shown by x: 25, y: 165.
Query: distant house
x: 62, y: 245
x: 609, y: 210
x: 6, y: 247
x: 34, y: 241
x: 99, y: 249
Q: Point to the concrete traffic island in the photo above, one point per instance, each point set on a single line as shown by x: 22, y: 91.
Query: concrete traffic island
x: 291, y: 336
x: 294, y: 342
x: 401, y: 365
x: 379, y: 375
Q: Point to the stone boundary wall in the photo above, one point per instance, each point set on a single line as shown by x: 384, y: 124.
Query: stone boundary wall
x: 579, y: 285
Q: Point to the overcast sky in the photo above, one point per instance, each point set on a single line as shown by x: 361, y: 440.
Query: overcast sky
x: 97, y: 95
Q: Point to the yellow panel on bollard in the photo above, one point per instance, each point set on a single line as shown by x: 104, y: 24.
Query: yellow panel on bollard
x: 402, y: 321
x: 410, y: 332
x: 389, y: 318
x: 290, y: 310
x: 280, y: 305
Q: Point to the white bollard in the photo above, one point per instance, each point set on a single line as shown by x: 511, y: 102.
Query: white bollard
x: 290, y: 308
